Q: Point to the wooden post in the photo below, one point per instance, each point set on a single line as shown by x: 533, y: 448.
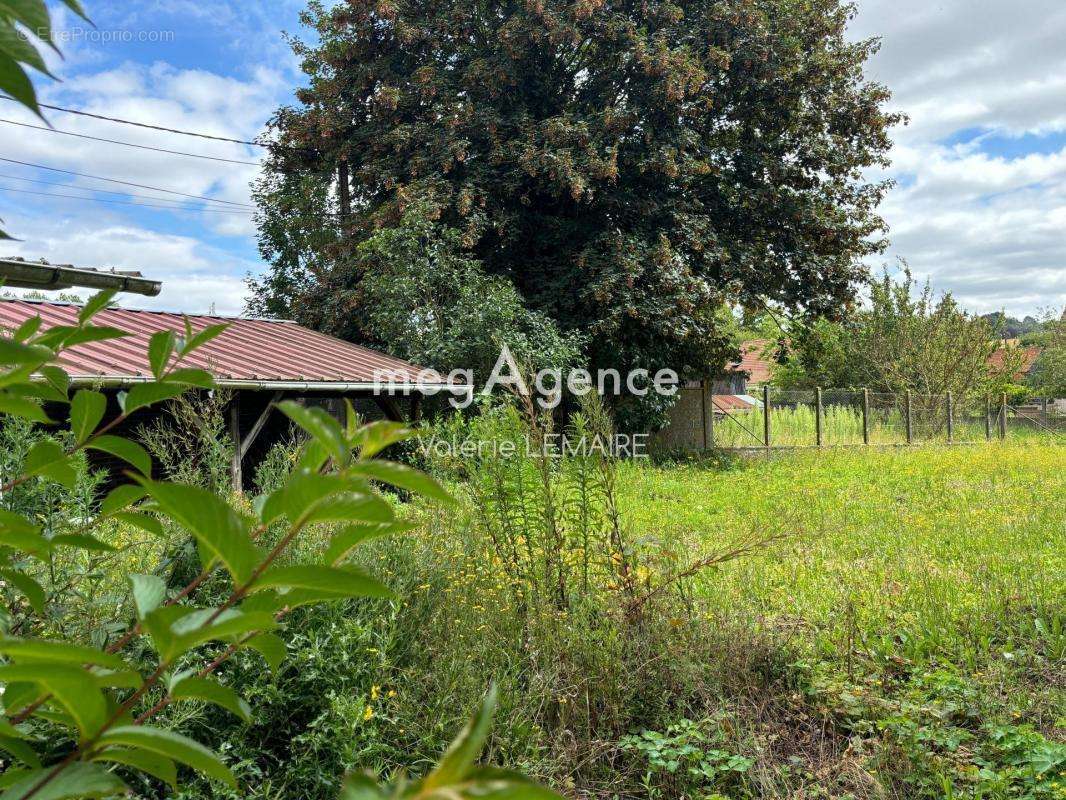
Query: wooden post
x: 236, y: 478
x: 818, y: 416
x: 951, y: 419
x: 865, y: 416
x: 988, y: 419
x: 416, y: 408
x: 708, y: 416
x: 910, y: 423
x: 766, y: 415
x: 1003, y: 416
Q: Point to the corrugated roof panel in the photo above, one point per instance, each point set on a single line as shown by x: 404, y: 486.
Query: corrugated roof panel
x: 248, y: 350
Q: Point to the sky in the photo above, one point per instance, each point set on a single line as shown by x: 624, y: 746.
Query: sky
x: 979, y: 205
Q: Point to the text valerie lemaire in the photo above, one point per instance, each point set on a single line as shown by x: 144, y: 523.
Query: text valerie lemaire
x: 546, y: 384
x: 617, y: 445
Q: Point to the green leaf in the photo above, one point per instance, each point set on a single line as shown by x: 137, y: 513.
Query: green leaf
x: 82, y: 541
x: 21, y: 407
x: 20, y: 750
x: 97, y: 303
x: 17, y: 532
x: 193, y: 630
x: 38, y: 651
x: 78, y: 780
x: 19, y: 48
x: 178, y: 629
x: 200, y: 338
x: 145, y: 522
x: 152, y: 764
x: 49, y: 459
x: 67, y: 336
x: 28, y: 586
x: 221, y: 532
x: 361, y: 787
x: 349, y: 507
x: 72, y: 687
x: 13, y: 81
x: 86, y: 410
x: 56, y: 377
x: 464, y: 750
x: 160, y: 349
x: 149, y: 592
x: 271, y: 647
x: 143, y: 395
x: 122, y: 497
x: 31, y: 13
x: 76, y: 7
x: 323, y: 428
x: 491, y: 783
x: 323, y: 580
x: 404, y: 477
x: 188, y: 376
x: 171, y: 745
x: 373, y: 438
x: 196, y: 688
x: 129, y: 451
x: 351, y: 536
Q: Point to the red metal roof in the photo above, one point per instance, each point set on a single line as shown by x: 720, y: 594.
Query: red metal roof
x: 249, y: 350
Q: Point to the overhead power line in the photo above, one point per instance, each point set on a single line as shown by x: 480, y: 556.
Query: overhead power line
x: 129, y: 183
x: 146, y: 125
x: 130, y: 144
x: 126, y: 202
x: 177, y: 203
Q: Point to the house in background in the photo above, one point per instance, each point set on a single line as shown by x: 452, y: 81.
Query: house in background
x: 700, y: 403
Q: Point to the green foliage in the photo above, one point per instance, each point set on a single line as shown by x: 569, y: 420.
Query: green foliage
x: 70, y: 706
x: 627, y: 168
x: 428, y: 301
x: 904, y: 339
x: 689, y: 752
x: 1048, y: 378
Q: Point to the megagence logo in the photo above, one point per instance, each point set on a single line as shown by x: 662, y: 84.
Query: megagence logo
x: 546, y: 385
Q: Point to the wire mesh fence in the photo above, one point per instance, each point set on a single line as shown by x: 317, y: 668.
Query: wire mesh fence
x: 842, y: 418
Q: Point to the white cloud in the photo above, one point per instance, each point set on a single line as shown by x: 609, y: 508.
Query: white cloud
x: 986, y: 224
x: 196, y: 278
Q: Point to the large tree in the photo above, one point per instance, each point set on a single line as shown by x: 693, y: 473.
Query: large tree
x: 628, y: 166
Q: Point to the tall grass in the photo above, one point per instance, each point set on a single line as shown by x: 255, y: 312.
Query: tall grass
x: 793, y: 423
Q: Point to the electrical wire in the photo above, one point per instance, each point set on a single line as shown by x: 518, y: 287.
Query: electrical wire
x: 180, y: 203
x: 129, y: 144
x: 245, y: 206
x: 146, y: 125
x: 124, y: 202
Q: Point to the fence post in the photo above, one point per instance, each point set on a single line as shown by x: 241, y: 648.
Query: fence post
x: 865, y: 416
x: 988, y: 418
x: 951, y: 419
x: 910, y: 425
x: 818, y: 416
x: 1003, y: 416
x: 766, y: 415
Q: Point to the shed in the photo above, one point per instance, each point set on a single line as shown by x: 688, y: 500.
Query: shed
x: 261, y: 360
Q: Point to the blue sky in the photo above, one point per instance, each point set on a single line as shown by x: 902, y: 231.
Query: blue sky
x: 980, y: 205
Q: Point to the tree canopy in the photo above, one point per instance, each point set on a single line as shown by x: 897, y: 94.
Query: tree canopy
x: 628, y: 167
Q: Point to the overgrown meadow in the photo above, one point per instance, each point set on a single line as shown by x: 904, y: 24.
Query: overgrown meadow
x: 837, y: 624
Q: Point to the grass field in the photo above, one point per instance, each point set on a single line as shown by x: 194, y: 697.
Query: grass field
x: 923, y: 591
x: 936, y: 543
